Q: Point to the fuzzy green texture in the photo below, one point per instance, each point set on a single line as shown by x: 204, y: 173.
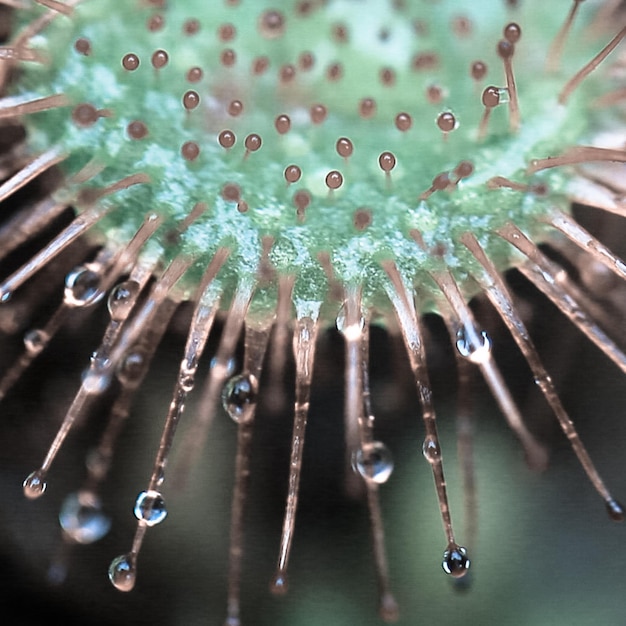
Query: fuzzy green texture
x: 378, y: 36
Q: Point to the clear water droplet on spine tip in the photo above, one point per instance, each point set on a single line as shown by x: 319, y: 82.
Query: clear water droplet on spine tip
x: 82, y: 518
x: 455, y: 561
x: 123, y: 572
x: 279, y: 585
x: 389, y: 610
x: 35, y: 341
x: 615, y: 510
x: 150, y: 507
x: 95, y: 381
x: 373, y: 461
x: 82, y: 287
x: 431, y: 449
x: 471, y: 350
x: 121, y: 299
x: 35, y: 484
x: 239, y: 397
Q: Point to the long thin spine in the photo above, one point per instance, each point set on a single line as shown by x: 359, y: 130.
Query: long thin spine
x: 402, y: 303
x: 37, y: 340
x: 305, y: 334
x: 214, y: 384
x: 65, y: 238
x: 256, y: 341
x: 501, y: 300
x: 465, y: 448
x: 31, y: 170
x: 587, y: 242
x: 150, y: 507
x: 556, y: 49
x: 578, y: 154
x: 544, y: 275
x: 25, y: 224
x: 476, y: 347
x: 14, y: 107
x: 580, y: 76
x: 97, y: 378
x: 388, y: 607
x: 280, y: 339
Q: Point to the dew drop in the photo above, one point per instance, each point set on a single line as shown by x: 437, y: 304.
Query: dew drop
x: 615, y: 510
x: 344, y: 147
x: 226, y: 32
x: 446, y: 122
x: 131, y: 368
x: 282, y: 124
x: 318, y: 113
x: 228, y: 57
x: 235, y: 108
x: 85, y: 115
x: 195, y: 74
x: 121, y: 298
x: 159, y: 59
x: 82, y: 287
x: 137, y: 130
x: 455, y: 561
x: 35, y: 484
x: 191, y: 100
x: 226, y: 139
x: 279, y: 585
x: 186, y: 378
x: 271, y: 24
x: 367, y: 108
x: 403, y: 122
x: 190, y: 150
x: 334, y: 179
x: 95, y: 382
x: 472, y: 351
x: 478, y: 70
x: 130, y: 62
x: 387, y: 161
x: 82, y: 519
x: 191, y: 26
x: 292, y: 174
x: 83, y: 46
x: 150, y: 507
x: 374, y: 462
x: 253, y: 142
x: 123, y: 572
x: 35, y: 341
x: 239, y: 397
x: 155, y: 23
x: 431, y: 449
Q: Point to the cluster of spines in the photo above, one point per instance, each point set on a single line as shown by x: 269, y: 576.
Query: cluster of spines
x: 140, y: 312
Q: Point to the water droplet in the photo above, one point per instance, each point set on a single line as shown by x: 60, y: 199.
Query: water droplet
x: 150, y: 507
x: 373, y: 461
x: 123, y: 572
x: 230, y: 365
x: 35, y: 341
x: 82, y: 287
x: 455, y: 561
x: 615, y: 510
x: 82, y: 519
x: 121, y: 299
x: 239, y: 397
x: 186, y: 377
x: 470, y: 349
x: 431, y: 449
x: 132, y: 367
x: 35, y: 484
x: 340, y: 322
x: 94, y: 381
x: 279, y: 585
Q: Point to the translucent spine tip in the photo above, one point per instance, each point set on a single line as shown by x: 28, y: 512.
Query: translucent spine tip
x: 475, y: 346
x: 556, y: 49
x: 455, y: 561
x: 547, y: 277
x: 371, y: 459
x: 218, y: 375
x: 150, y: 508
x: 501, y: 300
x: 242, y: 408
x: 304, y: 340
